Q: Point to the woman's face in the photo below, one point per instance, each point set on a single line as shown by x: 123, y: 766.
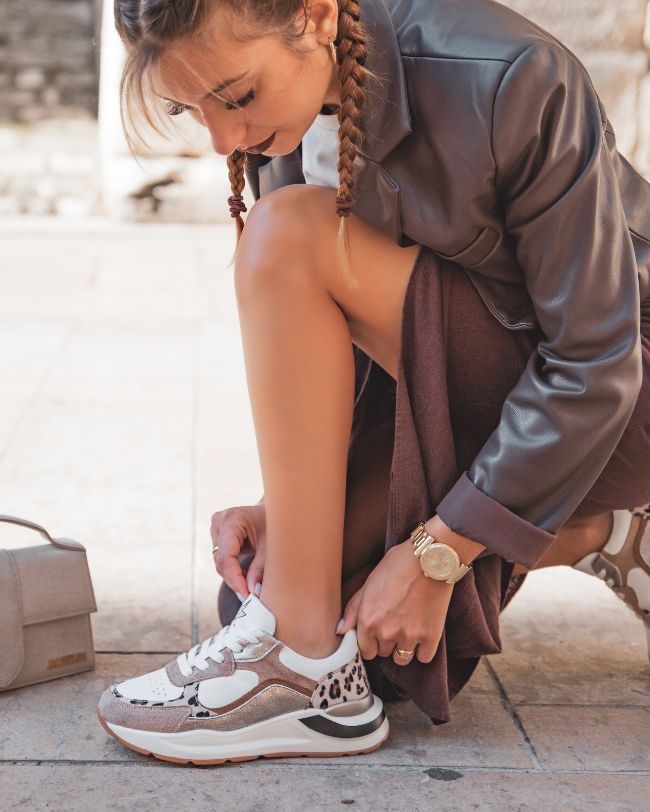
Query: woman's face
x: 276, y: 92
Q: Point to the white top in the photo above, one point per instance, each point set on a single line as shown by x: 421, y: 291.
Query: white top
x: 320, y: 151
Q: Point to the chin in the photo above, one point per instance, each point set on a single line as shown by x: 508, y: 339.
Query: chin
x: 277, y: 149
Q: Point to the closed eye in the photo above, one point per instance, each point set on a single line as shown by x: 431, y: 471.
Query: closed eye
x: 174, y: 109
x: 247, y: 99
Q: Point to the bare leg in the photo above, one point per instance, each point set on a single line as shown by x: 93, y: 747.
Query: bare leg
x: 575, y: 539
x: 300, y: 373
x: 297, y: 344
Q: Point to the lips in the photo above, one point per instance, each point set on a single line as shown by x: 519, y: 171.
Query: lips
x: 261, y: 147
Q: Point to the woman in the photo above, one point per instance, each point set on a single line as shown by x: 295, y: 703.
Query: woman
x: 449, y: 379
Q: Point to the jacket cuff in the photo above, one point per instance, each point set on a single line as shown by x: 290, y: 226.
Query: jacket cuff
x: 470, y: 512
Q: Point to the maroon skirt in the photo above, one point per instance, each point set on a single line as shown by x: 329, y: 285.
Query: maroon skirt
x: 457, y: 366
x: 412, y: 438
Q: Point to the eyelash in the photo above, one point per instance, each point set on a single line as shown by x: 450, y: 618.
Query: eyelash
x: 177, y: 109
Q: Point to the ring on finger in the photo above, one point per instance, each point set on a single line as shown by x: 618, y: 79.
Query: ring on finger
x: 215, y: 548
x: 404, y: 654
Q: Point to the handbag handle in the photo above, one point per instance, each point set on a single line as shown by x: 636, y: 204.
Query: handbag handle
x: 63, y: 543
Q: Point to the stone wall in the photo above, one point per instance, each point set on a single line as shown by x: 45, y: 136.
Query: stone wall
x: 612, y: 40
x: 48, y: 59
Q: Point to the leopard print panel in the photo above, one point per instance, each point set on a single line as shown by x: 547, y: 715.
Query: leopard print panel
x: 643, y: 511
x: 346, y: 684
x: 188, y: 697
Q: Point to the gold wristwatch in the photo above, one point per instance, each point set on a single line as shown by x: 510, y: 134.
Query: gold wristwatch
x: 438, y: 561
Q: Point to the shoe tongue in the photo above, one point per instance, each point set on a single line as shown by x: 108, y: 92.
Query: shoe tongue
x: 254, y: 616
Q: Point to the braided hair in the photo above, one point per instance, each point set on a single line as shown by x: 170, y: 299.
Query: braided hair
x: 147, y: 27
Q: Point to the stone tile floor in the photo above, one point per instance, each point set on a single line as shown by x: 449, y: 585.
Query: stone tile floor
x: 125, y: 423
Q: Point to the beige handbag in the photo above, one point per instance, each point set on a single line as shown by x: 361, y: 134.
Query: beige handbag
x: 46, y: 597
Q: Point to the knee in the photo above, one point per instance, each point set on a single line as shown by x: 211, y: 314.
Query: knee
x: 279, y: 243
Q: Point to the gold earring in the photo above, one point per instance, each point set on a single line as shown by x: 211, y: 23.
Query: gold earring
x: 333, y: 51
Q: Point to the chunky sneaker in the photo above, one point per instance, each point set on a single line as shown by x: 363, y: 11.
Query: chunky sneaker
x: 624, y: 561
x: 242, y: 694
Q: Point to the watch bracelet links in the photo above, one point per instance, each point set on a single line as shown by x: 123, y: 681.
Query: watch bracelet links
x: 421, y: 538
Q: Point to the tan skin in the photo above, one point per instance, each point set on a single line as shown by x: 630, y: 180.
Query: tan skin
x: 299, y: 367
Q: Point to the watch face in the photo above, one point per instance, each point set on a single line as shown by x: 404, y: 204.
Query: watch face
x: 439, y: 561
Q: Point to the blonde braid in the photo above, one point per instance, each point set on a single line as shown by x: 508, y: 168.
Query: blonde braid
x: 351, y: 54
x: 236, y: 165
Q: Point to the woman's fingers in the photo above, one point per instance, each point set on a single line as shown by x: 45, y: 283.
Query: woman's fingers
x: 232, y: 574
x: 255, y: 572
x: 229, y: 530
x: 426, y: 650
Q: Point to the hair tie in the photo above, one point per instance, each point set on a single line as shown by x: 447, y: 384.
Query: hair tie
x: 237, y: 206
x: 343, y: 206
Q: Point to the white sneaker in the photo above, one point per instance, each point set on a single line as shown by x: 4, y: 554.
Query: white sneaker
x: 243, y: 694
x: 624, y: 561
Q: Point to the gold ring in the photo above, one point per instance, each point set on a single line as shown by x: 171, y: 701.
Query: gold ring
x: 405, y: 655
x: 215, y: 548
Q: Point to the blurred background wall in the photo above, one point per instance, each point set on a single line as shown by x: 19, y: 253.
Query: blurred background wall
x: 48, y: 58
x: 61, y: 149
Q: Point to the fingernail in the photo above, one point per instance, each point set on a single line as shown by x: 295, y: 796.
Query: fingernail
x: 258, y: 588
x: 339, y: 625
x: 240, y: 596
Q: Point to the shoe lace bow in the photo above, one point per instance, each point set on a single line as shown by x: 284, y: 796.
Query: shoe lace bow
x: 228, y: 637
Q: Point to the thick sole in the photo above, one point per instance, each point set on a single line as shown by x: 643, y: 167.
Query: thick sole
x: 310, y: 732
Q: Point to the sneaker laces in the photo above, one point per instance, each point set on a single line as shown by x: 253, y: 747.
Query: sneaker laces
x: 229, y: 636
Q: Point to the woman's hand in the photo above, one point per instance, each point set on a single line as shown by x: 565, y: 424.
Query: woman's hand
x: 398, y: 607
x: 240, y: 530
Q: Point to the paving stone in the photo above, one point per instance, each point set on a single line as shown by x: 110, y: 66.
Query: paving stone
x: 260, y: 786
x: 138, y: 542
x: 568, y: 639
x: 102, y: 450
x: 57, y: 719
x: 34, y: 345
x: 111, y: 466
x: 572, y: 738
x: 39, y: 280
x: 480, y: 734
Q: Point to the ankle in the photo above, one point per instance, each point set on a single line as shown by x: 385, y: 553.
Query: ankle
x: 576, y: 539
x: 312, y: 633
x: 590, y: 536
x: 307, y: 643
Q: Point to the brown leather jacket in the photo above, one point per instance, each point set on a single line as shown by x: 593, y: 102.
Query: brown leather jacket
x: 488, y: 143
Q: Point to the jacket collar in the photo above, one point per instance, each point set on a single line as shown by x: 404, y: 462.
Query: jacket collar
x: 385, y: 119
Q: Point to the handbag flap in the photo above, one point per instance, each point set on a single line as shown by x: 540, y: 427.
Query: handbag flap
x: 11, y: 621
x: 54, y: 582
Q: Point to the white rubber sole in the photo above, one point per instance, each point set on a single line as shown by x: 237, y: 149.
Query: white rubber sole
x: 310, y: 732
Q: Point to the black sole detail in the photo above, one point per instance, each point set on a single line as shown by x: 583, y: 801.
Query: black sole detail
x: 338, y: 731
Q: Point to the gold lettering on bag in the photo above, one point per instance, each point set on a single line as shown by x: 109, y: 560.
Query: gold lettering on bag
x: 67, y: 659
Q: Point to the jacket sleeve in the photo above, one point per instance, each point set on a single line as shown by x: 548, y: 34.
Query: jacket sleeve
x: 562, y: 207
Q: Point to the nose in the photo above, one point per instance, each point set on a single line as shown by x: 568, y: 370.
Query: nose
x: 226, y: 137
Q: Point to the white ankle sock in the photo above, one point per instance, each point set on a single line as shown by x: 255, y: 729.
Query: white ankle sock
x: 315, y: 668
